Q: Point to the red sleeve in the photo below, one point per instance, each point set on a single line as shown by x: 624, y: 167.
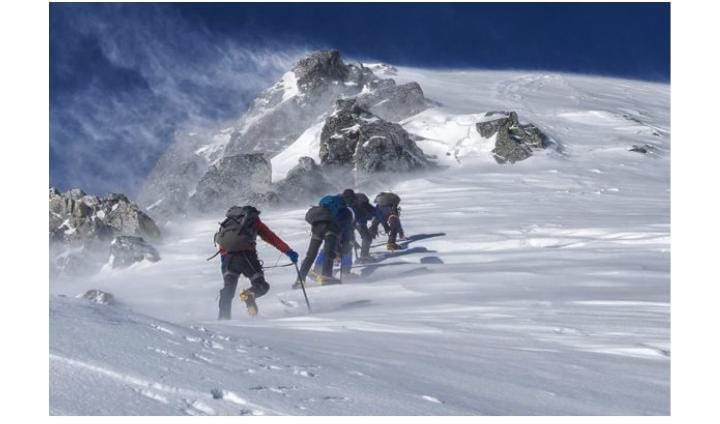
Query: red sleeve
x: 266, y: 234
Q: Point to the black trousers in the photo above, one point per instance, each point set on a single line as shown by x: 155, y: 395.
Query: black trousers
x: 366, y: 238
x: 233, y: 266
x: 326, y: 232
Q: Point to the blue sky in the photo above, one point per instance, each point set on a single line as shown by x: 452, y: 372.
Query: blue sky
x: 124, y: 77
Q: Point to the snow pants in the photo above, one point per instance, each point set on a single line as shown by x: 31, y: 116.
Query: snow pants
x: 345, y: 252
x: 322, y: 232
x: 366, y: 238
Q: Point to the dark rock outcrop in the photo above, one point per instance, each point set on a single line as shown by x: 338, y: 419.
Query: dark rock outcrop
x: 306, y: 180
x: 98, y: 296
x: 514, y: 141
x: 78, y: 217
x: 82, y: 226
x: 644, y: 149
x: 233, y: 180
x: 318, y: 70
x: 127, y: 250
x: 354, y: 137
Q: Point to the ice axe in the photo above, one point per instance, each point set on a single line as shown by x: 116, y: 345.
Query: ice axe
x: 302, y: 285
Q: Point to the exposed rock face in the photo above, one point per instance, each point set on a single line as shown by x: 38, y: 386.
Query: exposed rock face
x: 73, y: 217
x: 306, y: 180
x: 514, y: 141
x: 76, y: 216
x: 356, y: 138
x: 315, y: 72
x: 127, y: 250
x: 99, y: 297
x: 81, y: 227
x: 232, y: 180
x: 280, y: 114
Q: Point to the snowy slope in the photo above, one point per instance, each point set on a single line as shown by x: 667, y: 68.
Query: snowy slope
x: 548, y: 295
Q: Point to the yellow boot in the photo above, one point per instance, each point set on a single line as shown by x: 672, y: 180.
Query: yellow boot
x: 324, y: 280
x: 248, y: 297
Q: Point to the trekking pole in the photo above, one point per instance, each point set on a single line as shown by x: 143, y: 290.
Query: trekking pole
x: 302, y: 284
x: 278, y: 266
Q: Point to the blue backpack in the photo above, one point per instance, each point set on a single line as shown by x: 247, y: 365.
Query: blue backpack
x: 333, y: 203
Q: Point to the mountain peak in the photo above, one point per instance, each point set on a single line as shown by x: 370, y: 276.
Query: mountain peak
x: 320, y: 67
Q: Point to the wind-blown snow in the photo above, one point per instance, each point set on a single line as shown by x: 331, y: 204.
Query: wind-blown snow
x: 548, y: 295
x: 308, y: 144
x: 289, y: 85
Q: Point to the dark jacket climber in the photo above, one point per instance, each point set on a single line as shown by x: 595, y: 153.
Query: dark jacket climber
x: 388, y: 205
x: 364, y: 212
x: 325, y: 229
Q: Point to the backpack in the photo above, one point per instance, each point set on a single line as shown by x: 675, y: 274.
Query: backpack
x: 386, y: 199
x: 362, y: 206
x: 238, y: 231
x: 333, y: 203
x: 318, y: 214
x: 361, y: 198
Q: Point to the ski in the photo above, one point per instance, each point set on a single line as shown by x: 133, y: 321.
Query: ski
x: 412, y: 238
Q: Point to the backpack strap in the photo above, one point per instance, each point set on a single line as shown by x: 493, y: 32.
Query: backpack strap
x: 213, y: 256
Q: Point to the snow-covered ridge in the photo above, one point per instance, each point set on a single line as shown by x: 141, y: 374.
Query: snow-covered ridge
x: 569, y: 107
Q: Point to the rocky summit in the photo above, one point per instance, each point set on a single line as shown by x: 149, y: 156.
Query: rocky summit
x: 186, y: 178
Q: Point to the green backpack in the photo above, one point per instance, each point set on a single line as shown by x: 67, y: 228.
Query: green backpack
x: 238, y: 231
x: 387, y: 199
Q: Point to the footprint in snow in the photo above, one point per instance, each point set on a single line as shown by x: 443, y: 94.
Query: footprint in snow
x: 210, y: 344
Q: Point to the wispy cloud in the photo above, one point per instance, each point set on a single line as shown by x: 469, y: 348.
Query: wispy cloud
x: 125, y: 78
